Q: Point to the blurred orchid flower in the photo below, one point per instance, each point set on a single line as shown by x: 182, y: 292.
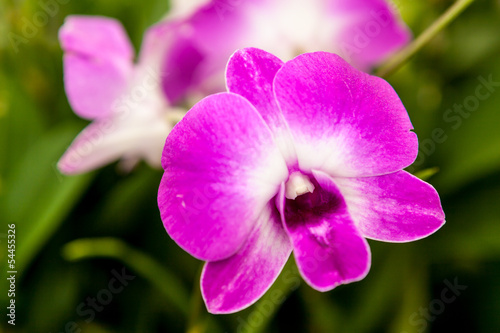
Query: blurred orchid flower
x: 124, y: 100
x: 183, y: 58
x: 306, y: 155
x: 364, y: 32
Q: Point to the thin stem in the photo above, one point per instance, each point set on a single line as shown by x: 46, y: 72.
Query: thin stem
x: 196, y: 324
x: 271, y: 301
x: 147, y: 267
x: 406, y: 53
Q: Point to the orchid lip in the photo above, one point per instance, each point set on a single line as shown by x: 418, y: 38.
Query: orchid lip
x: 298, y: 184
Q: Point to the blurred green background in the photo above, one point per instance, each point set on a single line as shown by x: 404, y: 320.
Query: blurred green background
x: 75, y: 234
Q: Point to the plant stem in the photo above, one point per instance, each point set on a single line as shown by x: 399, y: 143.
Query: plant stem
x: 147, y: 267
x: 196, y: 324
x: 406, y: 53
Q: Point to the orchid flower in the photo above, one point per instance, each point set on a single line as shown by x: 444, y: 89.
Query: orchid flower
x: 124, y: 100
x: 133, y: 106
x: 364, y: 32
x: 303, y: 156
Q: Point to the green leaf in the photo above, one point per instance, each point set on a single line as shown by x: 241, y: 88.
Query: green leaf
x: 21, y: 125
x: 38, y: 196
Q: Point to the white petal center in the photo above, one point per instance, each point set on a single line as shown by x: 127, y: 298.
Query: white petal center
x: 298, y: 184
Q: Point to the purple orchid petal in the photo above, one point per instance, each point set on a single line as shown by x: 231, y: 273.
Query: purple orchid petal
x: 250, y: 73
x: 365, y: 33
x: 373, y: 32
x: 93, y: 85
x: 221, y: 169
x: 182, y: 64
x: 97, y: 64
x: 95, y: 36
x: 237, y: 282
x: 107, y: 140
x: 124, y: 99
x: 229, y: 176
x: 197, y: 56
x: 344, y: 122
x: 327, y: 246
x: 397, y: 207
